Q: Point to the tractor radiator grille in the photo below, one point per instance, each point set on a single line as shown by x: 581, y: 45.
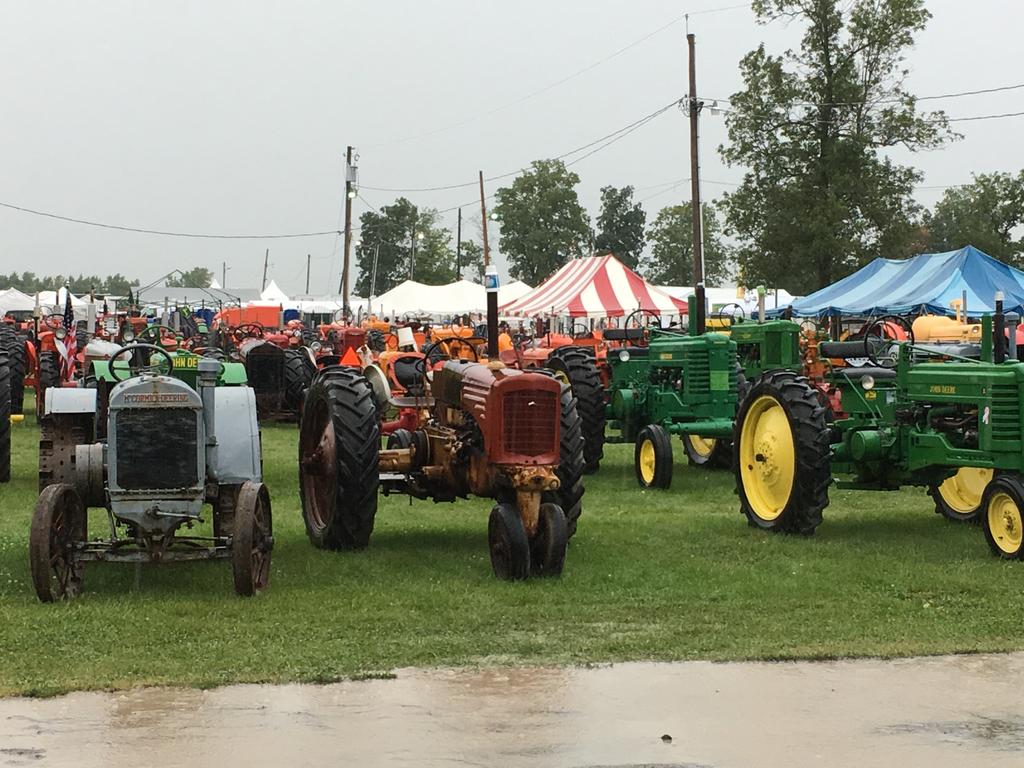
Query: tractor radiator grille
x: 697, y: 370
x: 157, y: 448
x: 1005, y: 412
x: 527, y: 427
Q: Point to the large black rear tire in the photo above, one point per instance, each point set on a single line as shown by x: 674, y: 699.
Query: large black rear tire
x: 339, y: 447
x: 781, y: 454
x: 299, y: 370
x: 15, y: 346
x: 571, y: 465
x: 5, y: 417
x: 579, y: 367
x: 49, y: 376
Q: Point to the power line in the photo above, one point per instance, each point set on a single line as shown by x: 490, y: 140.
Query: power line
x: 140, y: 230
x: 625, y: 130
x: 557, y: 83
x: 934, y: 97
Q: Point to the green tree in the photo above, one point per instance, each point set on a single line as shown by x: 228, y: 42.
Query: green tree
x: 543, y: 224
x: 985, y: 214
x: 670, y: 261
x: 820, y: 198
x: 197, y: 277
x: 387, y: 236
x: 620, y: 226
x: 472, y: 261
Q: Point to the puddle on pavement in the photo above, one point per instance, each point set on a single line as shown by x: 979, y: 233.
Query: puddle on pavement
x: 941, y: 711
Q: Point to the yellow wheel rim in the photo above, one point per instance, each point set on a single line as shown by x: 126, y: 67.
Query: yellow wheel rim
x: 767, y: 458
x: 647, y: 461
x: 562, y: 377
x: 1005, y: 523
x: 963, y: 491
x: 702, y: 446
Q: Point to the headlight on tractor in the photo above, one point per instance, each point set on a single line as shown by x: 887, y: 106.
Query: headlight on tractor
x: 60, y: 333
x: 315, y: 346
x: 128, y: 336
x: 624, y: 356
x: 867, y: 382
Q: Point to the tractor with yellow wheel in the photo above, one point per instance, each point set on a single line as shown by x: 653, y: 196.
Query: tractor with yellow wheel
x: 916, y: 415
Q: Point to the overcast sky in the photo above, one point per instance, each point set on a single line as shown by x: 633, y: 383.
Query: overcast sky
x: 233, y: 117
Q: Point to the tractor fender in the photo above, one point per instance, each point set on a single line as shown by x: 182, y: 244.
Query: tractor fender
x: 235, y: 455
x: 70, y: 400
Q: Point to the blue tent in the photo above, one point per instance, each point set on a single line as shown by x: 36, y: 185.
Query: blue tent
x: 923, y: 284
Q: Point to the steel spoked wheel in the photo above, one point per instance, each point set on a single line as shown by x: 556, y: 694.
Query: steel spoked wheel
x: 509, y: 547
x: 781, y: 455
x: 339, y: 447
x: 547, y: 550
x: 959, y: 497
x: 652, y: 457
x: 1003, y: 519
x: 253, y: 539
x: 58, y: 524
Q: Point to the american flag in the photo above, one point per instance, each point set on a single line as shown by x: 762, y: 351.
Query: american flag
x: 71, y: 340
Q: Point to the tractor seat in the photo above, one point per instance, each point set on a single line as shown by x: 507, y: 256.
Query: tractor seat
x: 857, y: 372
x: 409, y: 374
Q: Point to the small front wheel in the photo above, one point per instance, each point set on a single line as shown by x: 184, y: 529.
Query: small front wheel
x: 653, y: 457
x: 252, y: 540
x: 506, y: 538
x: 58, y: 523
x: 547, y: 550
x: 1003, y: 517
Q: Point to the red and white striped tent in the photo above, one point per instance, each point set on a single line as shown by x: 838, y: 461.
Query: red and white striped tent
x: 594, y: 286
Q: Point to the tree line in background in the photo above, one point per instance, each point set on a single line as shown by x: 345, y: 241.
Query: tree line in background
x: 820, y: 197
x: 28, y: 282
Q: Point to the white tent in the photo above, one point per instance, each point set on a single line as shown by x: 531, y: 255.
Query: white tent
x: 459, y: 297
x: 274, y: 294
x: 13, y: 300
x: 719, y: 298
x: 53, y: 302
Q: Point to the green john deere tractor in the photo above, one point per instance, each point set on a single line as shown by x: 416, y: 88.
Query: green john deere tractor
x: 690, y: 384
x: 678, y: 384
x: 916, y: 415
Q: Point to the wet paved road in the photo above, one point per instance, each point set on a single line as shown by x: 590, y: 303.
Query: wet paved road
x: 943, y: 711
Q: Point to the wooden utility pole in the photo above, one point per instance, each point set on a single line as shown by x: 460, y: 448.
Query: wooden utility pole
x: 698, y: 245
x: 223, y: 275
x: 483, y: 216
x: 458, y: 248
x: 349, y: 194
x: 308, y: 258
x: 266, y: 258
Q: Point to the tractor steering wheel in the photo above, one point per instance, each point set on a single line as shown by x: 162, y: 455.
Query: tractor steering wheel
x: 248, y: 329
x: 53, y: 321
x: 585, y: 334
x: 881, y: 322
x: 720, y: 314
x: 137, y: 369
x: 152, y: 334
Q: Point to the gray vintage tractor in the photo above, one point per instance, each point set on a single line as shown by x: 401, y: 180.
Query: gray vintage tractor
x: 151, y: 449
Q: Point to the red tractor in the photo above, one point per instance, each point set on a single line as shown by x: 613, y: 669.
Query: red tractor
x: 50, y: 359
x: 490, y: 431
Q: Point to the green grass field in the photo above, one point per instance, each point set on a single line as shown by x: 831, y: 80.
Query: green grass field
x: 651, y: 575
